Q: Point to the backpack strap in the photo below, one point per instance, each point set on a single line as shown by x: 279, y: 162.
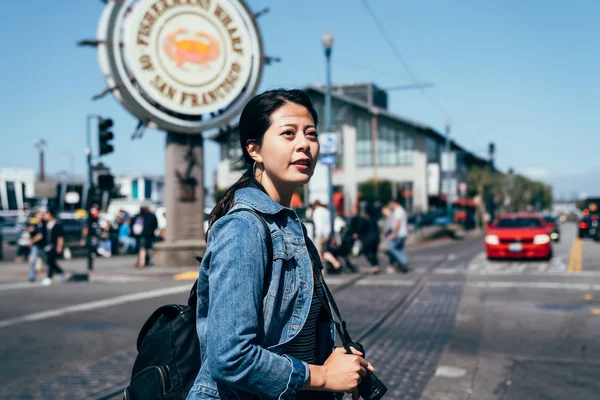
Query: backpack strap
x: 193, y: 299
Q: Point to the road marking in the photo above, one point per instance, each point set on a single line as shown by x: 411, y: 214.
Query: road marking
x: 533, y: 285
x: 384, y: 283
x: 595, y: 311
x: 576, y: 256
x: 92, y: 305
x: 446, y: 371
x: 454, y: 271
x: 186, y: 276
x: 18, y: 285
x: 588, y: 297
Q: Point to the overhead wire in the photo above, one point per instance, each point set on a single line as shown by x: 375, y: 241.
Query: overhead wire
x: 402, y: 60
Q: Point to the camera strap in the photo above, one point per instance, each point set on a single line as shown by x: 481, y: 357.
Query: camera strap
x: 329, y: 304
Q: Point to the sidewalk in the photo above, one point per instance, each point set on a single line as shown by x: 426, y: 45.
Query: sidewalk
x: 122, y: 268
x: 118, y: 268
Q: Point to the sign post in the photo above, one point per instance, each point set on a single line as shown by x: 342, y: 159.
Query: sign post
x: 328, y: 143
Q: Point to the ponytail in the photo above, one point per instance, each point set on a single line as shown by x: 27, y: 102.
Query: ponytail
x: 225, y: 204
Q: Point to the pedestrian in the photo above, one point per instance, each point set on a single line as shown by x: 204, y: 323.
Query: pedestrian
x: 125, y: 238
x: 54, y: 245
x: 105, y: 244
x: 321, y: 218
x: 144, y: 225
x: 398, y: 238
x: 38, y: 233
x: 368, y: 234
x: 268, y: 338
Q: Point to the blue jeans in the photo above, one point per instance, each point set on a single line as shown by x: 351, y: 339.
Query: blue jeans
x: 36, y: 253
x: 397, y: 251
x: 128, y: 244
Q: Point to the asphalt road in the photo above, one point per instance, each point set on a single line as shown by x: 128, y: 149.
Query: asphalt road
x: 525, y: 330
x: 461, y: 326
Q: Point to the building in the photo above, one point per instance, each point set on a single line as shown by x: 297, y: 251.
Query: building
x: 16, y: 186
x: 139, y: 187
x: 376, y: 147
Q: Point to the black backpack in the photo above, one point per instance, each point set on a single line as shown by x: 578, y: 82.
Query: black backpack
x: 168, y: 357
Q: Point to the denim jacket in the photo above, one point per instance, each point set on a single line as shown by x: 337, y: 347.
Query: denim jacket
x: 243, y: 335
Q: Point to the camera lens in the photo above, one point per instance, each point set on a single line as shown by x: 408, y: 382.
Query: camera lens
x: 371, y: 388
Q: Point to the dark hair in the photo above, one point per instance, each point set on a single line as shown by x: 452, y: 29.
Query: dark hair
x: 254, y: 122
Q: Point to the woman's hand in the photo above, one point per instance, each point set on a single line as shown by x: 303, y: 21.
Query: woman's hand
x: 343, y: 372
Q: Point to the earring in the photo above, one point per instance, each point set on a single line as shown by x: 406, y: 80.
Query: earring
x: 254, y: 169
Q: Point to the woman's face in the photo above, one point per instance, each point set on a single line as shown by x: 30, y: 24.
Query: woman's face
x: 289, y: 149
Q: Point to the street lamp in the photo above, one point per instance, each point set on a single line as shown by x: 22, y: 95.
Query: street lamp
x: 41, y: 144
x: 327, y: 40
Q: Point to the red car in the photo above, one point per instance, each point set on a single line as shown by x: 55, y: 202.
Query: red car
x: 518, y: 235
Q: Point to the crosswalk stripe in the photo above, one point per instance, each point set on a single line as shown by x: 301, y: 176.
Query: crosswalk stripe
x: 17, y: 285
x: 92, y: 305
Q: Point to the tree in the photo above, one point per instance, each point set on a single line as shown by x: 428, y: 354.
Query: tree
x: 478, y: 179
x: 373, y: 190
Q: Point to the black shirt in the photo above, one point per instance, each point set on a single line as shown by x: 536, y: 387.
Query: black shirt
x: 38, y: 228
x: 54, y: 233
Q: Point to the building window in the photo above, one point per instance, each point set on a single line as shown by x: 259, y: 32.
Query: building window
x: 432, y: 148
x: 134, y: 189
x: 11, y: 196
x: 364, y: 144
x: 147, y: 189
x: 394, y: 146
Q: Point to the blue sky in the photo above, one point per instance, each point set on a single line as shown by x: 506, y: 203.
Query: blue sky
x: 522, y: 74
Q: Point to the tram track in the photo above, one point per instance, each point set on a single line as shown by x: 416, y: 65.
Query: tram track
x: 401, y: 303
x: 396, y: 308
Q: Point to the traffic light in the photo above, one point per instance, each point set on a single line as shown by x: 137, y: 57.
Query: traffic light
x: 105, y: 136
x: 106, y: 182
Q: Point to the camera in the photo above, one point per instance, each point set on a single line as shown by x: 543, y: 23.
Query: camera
x: 370, y: 387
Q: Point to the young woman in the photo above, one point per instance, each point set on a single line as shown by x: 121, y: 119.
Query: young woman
x: 278, y: 345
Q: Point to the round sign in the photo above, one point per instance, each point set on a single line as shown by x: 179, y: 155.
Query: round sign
x: 187, y: 66
x: 72, y: 197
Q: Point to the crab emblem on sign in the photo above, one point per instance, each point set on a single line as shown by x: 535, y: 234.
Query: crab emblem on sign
x: 200, y: 49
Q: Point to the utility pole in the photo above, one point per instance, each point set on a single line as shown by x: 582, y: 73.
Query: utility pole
x: 448, y: 174
x: 91, y: 190
x: 492, y: 204
x: 327, y: 41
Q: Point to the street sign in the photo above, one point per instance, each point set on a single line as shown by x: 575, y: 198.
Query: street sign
x: 328, y: 142
x: 328, y: 159
x: 44, y: 189
x: 448, y: 162
x: 183, y: 66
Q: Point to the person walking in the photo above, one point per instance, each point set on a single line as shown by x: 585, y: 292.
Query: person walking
x: 38, y: 235
x: 144, y: 225
x: 368, y: 234
x: 398, y: 238
x: 263, y: 331
x: 54, y: 247
x: 322, y: 222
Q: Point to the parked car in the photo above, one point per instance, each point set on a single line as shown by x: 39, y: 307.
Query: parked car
x: 518, y: 235
x: 12, y: 226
